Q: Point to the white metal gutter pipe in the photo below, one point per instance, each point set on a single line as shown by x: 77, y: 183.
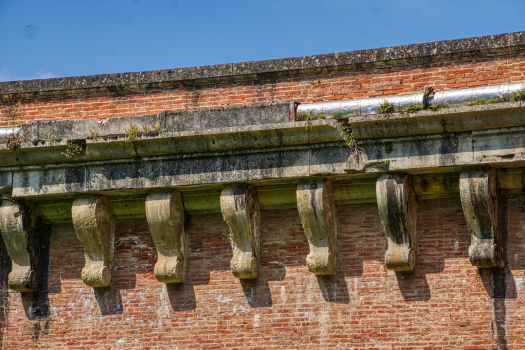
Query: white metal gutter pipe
x: 453, y: 98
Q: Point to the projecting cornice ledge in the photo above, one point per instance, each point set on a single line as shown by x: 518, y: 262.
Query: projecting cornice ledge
x: 254, y: 144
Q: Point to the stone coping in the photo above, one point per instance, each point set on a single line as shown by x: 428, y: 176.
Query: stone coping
x: 442, y: 121
x: 270, y: 69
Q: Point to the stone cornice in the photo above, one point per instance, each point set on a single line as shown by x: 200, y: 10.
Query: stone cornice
x: 263, y: 148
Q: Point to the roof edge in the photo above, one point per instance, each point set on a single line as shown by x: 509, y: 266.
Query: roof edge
x: 482, y: 46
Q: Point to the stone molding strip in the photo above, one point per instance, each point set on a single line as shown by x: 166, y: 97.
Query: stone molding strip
x: 483, y: 46
x: 315, y: 203
x: 397, y: 204
x: 95, y: 228
x: 166, y: 221
x: 241, y: 212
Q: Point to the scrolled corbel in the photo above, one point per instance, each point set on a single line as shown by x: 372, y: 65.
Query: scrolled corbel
x: 241, y: 212
x: 18, y: 227
x: 315, y: 203
x: 95, y: 228
x: 479, y: 197
x: 166, y: 220
x: 397, y: 205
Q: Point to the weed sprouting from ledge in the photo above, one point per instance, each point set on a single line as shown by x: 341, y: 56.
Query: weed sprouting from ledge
x: 411, y: 108
x: 73, y: 149
x: 518, y: 95
x: 158, y: 127
x: 12, y: 142
x: 307, y: 117
x: 93, y: 136
x: 479, y: 102
x: 385, y: 107
x: 132, y: 132
x: 303, y: 116
x: 435, y: 107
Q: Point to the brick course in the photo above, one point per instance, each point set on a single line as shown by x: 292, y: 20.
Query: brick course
x: 445, y: 304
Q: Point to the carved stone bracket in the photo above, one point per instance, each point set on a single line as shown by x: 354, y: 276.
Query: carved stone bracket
x: 166, y: 220
x: 478, y: 191
x: 95, y: 228
x: 315, y: 203
x: 18, y: 227
x: 397, y: 205
x: 242, y: 214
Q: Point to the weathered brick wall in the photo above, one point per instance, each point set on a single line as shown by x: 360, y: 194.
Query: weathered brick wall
x: 348, y: 85
x: 445, y: 304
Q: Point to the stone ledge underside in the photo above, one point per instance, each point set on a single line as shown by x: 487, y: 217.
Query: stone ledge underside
x: 271, y: 197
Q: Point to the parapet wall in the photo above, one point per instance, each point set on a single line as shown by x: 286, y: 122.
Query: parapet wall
x: 408, y: 69
x: 197, y: 208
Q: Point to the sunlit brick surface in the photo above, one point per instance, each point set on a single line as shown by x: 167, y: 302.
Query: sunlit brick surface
x: 445, y: 304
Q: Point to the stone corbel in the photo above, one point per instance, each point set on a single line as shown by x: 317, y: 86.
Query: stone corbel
x: 166, y: 220
x: 18, y: 227
x: 397, y: 205
x: 479, y: 197
x: 95, y: 228
x: 242, y: 215
x: 315, y: 203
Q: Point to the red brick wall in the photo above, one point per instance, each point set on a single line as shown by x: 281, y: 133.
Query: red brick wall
x: 446, y: 304
x: 350, y: 85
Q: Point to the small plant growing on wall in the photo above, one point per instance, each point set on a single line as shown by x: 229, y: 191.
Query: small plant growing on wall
x: 14, y: 112
x: 73, y: 149
x: 479, y: 102
x: 299, y: 117
x: 411, y: 108
x: 307, y: 116
x: 132, y: 132
x: 93, y: 136
x: 51, y: 138
x: 12, y: 142
x: 385, y: 107
x: 435, y: 107
x: 518, y: 95
x: 158, y: 127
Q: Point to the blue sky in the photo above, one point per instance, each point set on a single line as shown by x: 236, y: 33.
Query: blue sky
x: 59, y: 38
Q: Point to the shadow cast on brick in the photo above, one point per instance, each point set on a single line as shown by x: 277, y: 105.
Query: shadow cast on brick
x: 109, y: 300
x: 257, y: 292
x: 36, y: 304
x: 5, y: 268
x: 182, y: 296
x: 334, y: 289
